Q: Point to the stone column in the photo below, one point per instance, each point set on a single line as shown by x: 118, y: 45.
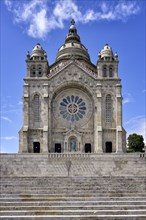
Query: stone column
x: 24, y: 148
x: 25, y: 141
x: 45, y: 140
x: 45, y: 118
x: 98, y: 124
x: 119, y: 124
x: 25, y: 111
x: 49, y: 126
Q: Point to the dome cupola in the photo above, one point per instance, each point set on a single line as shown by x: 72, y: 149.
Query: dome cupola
x: 72, y: 48
x: 38, y: 53
x: 106, y: 52
x: 37, y: 50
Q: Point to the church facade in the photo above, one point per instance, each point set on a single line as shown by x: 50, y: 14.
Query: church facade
x: 72, y: 105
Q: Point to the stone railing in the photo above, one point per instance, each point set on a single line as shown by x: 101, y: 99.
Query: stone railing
x: 68, y: 155
x: 58, y: 68
x: 89, y: 71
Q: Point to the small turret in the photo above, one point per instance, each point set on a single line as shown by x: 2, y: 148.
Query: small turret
x: 107, y: 53
x: 37, y: 64
x: 107, y: 64
x: 38, y: 53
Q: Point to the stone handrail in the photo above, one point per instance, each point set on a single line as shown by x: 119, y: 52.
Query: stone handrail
x: 68, y: 155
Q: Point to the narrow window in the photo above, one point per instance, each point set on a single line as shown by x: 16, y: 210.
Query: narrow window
x: 33, y: 71
x: 36, y: 108
x: 104, y: 71
x: 108, y: 108
x: 39, y: 71
x: 111, y: 71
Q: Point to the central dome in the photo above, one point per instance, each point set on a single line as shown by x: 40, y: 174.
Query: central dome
x: 72, y: 48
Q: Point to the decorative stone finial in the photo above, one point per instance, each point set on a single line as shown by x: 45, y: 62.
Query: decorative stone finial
x: 28, y: 55
x: 99, y: 55
x: 116, y: 55
x: 72, y: 21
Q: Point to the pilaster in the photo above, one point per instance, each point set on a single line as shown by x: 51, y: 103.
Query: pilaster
x: 119, y: 121
x: 25, y: 140
x: 49, y: 125
x: 25, y: 119
x: 45, y: 118
x: 98, y: 122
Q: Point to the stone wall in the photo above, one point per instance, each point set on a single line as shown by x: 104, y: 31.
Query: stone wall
x: 38, y: 165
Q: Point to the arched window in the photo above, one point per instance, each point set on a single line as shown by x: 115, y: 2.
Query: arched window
x: 73, y: 143
x: 108, y: 108
x: 33, y: 71
x: 39, y: 71
x: 104, y: 71
x: 36, y: 108
x: 111, y: 71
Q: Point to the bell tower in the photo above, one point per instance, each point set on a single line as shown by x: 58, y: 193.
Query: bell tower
x: 34, y: 104
x: 107, y: 70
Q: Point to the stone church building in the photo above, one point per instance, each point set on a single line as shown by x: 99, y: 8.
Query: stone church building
x: 72, y: 105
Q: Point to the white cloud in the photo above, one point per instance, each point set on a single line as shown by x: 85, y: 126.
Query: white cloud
x: 8, y: 138
x: 6, y: 119
x: 127, y: 98
x: 104, y: 7
x: 136, y: 125
x: 8, y: 3
x: 41, y: 16
x: 65, y: 10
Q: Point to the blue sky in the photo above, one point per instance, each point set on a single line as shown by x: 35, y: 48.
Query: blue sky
x: 24, y: 23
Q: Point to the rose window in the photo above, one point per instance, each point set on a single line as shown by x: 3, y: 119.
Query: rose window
x: 72, y: 108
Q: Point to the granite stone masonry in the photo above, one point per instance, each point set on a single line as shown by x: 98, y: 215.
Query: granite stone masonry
x: 72, y: 105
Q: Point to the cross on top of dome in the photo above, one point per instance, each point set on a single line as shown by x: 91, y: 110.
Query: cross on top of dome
x: 72, y: 21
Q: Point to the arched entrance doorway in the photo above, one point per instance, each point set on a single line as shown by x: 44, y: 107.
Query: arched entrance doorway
x: 57, y: 148
x: 36, y: 147
x: 87, y: 148
x: 72, y: 143
x: 108, y: 146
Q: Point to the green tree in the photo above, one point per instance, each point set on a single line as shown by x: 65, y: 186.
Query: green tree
x: 135, y: 142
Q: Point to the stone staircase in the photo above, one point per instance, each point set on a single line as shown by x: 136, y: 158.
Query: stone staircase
x: 105, y: 197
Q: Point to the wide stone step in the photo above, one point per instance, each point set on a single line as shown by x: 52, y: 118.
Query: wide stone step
x: 72, y: 212
x: 66, y: 192
x: 5, y: 197
x: 62, y: 186
x: 72, y: 207
x: 77, y: 217
x: 98, y: 194
x: 45, y: 202
x: 71, y: 182
x: 70, y: 193
x: 58, y: 186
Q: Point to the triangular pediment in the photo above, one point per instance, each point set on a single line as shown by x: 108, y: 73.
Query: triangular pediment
x: 73, y: 66
x: 72, y: 132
